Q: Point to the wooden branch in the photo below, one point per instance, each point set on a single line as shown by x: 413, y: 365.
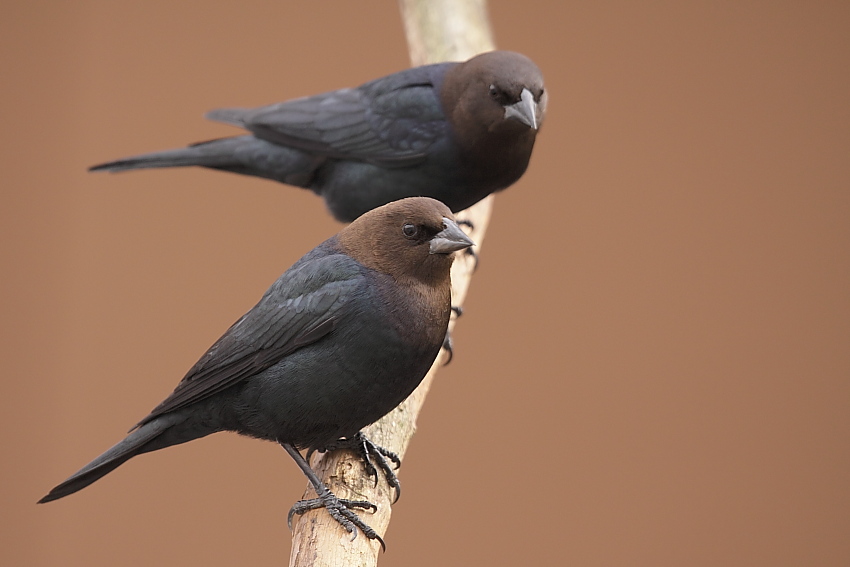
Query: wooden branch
x: 445, y: 30
x: 437, y: 30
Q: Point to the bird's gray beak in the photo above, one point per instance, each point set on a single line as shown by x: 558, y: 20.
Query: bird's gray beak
x: 525, y: 110
x: 450, y: 239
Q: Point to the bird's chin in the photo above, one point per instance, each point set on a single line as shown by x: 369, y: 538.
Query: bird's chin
x: 511, y: 126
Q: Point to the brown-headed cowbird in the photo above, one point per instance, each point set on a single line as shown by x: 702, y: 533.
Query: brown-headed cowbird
x: 339, y: 340
x: 452, y: 131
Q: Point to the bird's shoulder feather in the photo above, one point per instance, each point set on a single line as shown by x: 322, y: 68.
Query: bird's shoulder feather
x: 304, y: 305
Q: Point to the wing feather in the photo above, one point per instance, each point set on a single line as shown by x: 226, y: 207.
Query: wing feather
x: 390, y: 121
x: 303, y: 306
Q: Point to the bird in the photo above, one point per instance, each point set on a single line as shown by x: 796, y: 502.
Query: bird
x: 455, y: 131
x: 336, y: 342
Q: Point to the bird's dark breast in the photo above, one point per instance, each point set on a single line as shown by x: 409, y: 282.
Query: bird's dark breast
x: 338, y: 385
x: 498, y: 160
x: 351, y: 187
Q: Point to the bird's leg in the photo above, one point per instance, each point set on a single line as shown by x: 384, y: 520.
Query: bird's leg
x: 371, y: 454
x: 447, y: 341
x: 338, y: 508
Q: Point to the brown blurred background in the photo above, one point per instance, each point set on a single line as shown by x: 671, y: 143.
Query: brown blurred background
x: 654, y: 364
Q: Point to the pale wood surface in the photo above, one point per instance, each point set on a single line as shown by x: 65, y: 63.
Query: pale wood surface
x: 436, y: 30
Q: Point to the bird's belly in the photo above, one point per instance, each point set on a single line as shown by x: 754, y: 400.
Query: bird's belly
x: 352, y: 188
x: 317, y: 395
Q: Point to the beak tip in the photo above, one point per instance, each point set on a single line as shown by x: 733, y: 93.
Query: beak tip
x: 450, y: 239
x: 525, y: 110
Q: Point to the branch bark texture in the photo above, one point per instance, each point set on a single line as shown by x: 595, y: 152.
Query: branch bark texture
x: 436, y: 30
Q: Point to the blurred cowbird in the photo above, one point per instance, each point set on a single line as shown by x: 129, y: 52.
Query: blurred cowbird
x: 452, y: 131
x: 339, y: 340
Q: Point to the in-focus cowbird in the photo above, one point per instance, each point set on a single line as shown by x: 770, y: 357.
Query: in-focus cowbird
x: 452, y: 131
x: 339, y: 340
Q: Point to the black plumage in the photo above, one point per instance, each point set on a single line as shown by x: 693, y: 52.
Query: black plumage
x: 340, y: 339
x: 452, y: 131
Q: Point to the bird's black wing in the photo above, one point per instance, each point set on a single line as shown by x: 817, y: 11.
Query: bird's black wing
x: 390, y: 122
x: 300, y: 308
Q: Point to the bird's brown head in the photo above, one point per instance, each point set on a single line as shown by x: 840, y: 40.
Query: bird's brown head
x: 497, y: 90
x: 412, y: 240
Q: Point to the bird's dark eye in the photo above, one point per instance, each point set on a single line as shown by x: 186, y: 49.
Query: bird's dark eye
x: 410, y: 230
x: 499, y: 95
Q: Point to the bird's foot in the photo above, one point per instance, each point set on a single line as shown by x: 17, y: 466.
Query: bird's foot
x: 447, y: 341
x: 449, y: 346
x: 340, y: 510
x: 371, y: 454
x: 469, y: 251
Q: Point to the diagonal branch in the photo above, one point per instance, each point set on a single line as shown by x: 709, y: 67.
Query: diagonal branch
x: 437, y: 30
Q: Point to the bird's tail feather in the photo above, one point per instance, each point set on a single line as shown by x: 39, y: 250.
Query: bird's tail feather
x: 213, y: 153
x: 234, y: 116
x: 139, y: 441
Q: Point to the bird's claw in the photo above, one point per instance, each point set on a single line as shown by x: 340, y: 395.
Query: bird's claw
x: 388, y: 454
x: 469, y: 251
x: 447, y: 341
x: 449, y: 346
x: 340, y: 510
x: 367, y: 451
x: 333, y: 503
